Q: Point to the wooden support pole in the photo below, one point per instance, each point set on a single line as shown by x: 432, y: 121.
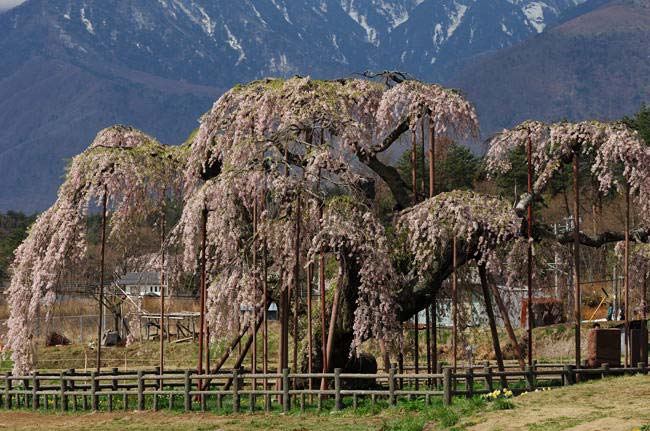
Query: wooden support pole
x: 240, y: 358
x: 576, y: 254
x: 332, y: 325
x: 202, y: 290
x: 627, y: 277
x: 265, y: 311
x: 427, y: 317
x: 432, y: 192
x: 162, y: 288
x: 416, y: 347
x: 454, y: 299
x: 310, y: 335
x: 255, y: 287
x: 224, y: 357
x: 101, y: 279
x: 530, y: 255
x: 414, y: 185
x: 323, y: 302
x: 493, y: 325
x: 644, y: 323
x: 414, y: 175
x: 508, y: 325
x: 296, y: 286
x: 283, y: 351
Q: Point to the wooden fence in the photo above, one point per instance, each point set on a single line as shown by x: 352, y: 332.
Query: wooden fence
x: 237, y: 391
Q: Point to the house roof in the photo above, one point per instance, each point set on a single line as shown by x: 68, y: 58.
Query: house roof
x: 139, y: 278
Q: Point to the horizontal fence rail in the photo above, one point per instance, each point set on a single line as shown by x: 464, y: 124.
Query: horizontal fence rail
x: 237, y: 390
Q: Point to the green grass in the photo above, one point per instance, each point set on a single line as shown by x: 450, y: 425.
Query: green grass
x: 407, y: 416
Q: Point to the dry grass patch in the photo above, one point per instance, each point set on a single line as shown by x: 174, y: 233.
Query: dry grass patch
x: 612, y: 404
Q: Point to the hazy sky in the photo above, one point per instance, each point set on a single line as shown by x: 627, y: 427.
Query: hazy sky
x: 8, y: 4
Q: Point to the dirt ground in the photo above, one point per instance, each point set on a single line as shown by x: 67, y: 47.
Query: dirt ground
x: 616, y: 404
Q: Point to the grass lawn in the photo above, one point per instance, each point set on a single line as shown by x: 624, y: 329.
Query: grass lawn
x: 613, y: 404
x: 619, y: 404
x: 409, y: 416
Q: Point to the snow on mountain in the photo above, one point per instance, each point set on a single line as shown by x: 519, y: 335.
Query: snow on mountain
x: 72, y: 67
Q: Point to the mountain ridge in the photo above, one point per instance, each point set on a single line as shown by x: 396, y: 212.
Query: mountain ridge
x: 72, y: 67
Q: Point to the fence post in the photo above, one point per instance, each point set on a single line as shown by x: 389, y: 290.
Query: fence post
x: 446, y: 385
x: 93, y: 390
x: 285, y: 390
x: 469, y: 381
x: 605, y: 368
x: 488, y: 378
x: 140, y: 390
x: 64, y: 397
x: 391, y: 385
x: 529, y: 378
x: 35, y: 385
x: 568, y: 371
x: 643, y: 367
x: 235, y: 391
x: 8, y: 383
x: 337, y: 389
x: 188, y: 400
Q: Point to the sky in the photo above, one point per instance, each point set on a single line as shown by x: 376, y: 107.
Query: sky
x: 8, y: 4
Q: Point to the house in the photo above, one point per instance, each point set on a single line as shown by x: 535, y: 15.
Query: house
x: 141, y: 284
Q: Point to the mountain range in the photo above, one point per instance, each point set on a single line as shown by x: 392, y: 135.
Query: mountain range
x: 72, y: 67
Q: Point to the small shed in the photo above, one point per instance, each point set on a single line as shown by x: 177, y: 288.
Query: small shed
x: 141, y: 284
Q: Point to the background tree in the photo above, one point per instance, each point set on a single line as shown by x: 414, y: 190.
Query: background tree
x: 13, y: 230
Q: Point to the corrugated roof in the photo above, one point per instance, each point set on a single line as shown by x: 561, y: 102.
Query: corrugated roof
x: 139, y: 278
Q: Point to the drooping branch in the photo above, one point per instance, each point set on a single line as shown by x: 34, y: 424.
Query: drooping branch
x: 641, y: 235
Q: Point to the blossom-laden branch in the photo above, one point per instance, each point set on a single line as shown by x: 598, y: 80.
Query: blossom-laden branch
x: 134, y: 171
x: 357, y: 117
x: 620, y: 157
